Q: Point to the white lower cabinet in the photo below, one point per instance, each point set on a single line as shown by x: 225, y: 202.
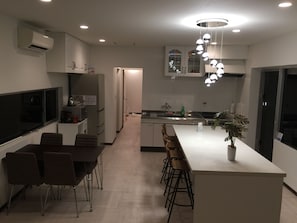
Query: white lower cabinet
x: 70, y: 130
x: 147, y: 134
x: 151, y: 134
x: 158, y: 137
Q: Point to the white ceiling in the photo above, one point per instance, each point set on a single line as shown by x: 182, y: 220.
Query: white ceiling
x: 153, y: 22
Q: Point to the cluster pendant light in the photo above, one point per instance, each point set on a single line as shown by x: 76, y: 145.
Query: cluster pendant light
x: 211, y: 26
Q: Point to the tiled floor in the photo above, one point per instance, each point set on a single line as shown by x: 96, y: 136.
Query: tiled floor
x: 132, y: 192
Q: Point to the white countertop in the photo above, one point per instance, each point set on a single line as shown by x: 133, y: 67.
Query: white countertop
x: 206, y: 152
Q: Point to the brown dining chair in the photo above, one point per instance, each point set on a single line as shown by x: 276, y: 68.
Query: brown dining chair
x: 50, y: 138
x: 87, y: 140
x: 59, y: 171
x: 22, y: 169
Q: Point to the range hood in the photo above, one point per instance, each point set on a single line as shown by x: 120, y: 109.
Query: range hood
x: 232, y: 67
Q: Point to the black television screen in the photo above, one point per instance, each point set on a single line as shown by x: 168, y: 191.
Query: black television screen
x: 19, y: 114
x: 23, y: 112
x: 10, y: 113
x: 51, y: 105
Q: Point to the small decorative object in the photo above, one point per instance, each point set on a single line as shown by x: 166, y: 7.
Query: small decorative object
x: 235, y: 125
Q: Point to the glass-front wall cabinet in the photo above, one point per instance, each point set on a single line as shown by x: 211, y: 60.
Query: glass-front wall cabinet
x: 183, y: 61
x: 193, y: 62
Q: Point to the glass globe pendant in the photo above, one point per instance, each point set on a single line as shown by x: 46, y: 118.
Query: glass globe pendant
x: 213, y: 62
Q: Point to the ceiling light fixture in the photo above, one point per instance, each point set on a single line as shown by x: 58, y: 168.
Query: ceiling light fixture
x: 236, y: 30
x: 284, y: 4
x: 102, y: 40
x: 45, y: 0
x: 206, y: 39
x: 84, y: 26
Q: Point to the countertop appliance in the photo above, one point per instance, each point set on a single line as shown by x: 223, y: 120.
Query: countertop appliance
x: 88, y: 90
x: 73, y: 114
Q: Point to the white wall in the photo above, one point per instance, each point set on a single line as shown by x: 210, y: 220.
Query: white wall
x: 285, y: 158
x: 22, y: 70
x: 157, y: 89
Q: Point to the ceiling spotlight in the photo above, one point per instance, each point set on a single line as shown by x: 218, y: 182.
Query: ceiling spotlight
x: 84, y: 26
x: 102, y: 40
x: 285, y: 4
x: 236, y: 30
x: 45, y: 0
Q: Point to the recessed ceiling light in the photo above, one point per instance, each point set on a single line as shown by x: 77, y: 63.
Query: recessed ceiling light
x: 84, y: 26
x: 45, y: 0
x: 102, y: 40
x: 236, y: 30
x: 285, y: 4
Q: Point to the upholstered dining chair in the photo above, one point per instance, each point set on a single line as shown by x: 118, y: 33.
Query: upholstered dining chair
x: 22, y: 169
x: 59, y: 171
x: 86, y: 140
x: 50, y: 138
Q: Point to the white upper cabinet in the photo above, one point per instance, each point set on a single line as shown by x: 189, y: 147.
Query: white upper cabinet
x: 183, y: 61
x: 69, y: 55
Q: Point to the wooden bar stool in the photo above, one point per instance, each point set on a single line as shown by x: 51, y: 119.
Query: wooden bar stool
x: 173, y: 153
x: 180, y: 182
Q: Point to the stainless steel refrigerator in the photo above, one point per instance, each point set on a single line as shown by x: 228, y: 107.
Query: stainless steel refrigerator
x: 88, y: 90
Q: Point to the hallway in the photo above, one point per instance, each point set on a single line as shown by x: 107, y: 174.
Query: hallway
x: 131, y: 194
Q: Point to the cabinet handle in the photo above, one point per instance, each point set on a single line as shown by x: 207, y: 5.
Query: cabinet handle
x: 184, y: 69
x: 73, y: 65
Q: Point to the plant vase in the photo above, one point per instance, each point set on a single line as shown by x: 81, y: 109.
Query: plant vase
x: 231, y: 153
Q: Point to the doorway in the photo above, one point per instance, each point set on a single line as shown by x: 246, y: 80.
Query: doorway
x: 133, y: 91
x: 129, y: 93
x: 266, y: 122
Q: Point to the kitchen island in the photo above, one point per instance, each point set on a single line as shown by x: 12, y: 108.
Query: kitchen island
x: 246, y: 190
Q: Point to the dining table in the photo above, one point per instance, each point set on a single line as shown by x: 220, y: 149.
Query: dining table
x: 246, y: 190
x: 81, y: 154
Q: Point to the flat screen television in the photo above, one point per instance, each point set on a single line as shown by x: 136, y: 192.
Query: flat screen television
x: 51, y: 104
x: 23, y: 112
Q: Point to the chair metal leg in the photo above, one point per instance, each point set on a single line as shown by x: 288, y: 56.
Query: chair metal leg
x: 74, y: 190
x: 100, y: 170
x: 97, y: 178
x: 90, y: 177
x: 86, y: 188
x: 41, y: 202
x: 9, y: 201
x: 46, y: 197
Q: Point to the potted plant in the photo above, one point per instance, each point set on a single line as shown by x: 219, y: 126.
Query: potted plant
x: 235, y: 125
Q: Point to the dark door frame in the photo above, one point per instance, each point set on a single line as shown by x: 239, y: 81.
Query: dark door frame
x: 266, y: 113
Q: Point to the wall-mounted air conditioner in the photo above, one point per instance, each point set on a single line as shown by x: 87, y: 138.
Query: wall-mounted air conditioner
x: 32, y: 40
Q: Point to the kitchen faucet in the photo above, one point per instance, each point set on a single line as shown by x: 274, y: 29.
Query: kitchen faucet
x: 166, y: 106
